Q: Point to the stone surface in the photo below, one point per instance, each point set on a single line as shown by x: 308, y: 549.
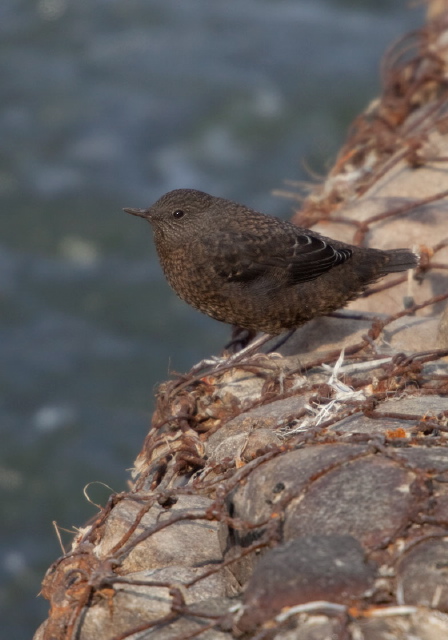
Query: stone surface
x: 306, y: 569
x: 161, y: 549
x: 422, y: 575
x: 369, y: 498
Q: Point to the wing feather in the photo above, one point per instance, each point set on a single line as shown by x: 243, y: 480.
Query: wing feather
x: 293, y: 258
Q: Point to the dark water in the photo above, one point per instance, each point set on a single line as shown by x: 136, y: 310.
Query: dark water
x: 110, y: 103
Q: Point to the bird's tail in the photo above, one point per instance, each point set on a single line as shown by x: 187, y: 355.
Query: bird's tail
x: 400, y: 260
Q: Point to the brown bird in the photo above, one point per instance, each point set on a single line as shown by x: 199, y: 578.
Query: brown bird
x: 256, y: 271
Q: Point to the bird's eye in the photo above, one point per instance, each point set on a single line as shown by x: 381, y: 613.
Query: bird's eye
x: 178, y: 214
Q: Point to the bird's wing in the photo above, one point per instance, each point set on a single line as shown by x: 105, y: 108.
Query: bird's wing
x: 292, y: 258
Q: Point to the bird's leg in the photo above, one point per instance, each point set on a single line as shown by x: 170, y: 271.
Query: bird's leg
x: 240, y: 338
x: 282, y: 340
x: 259, y: 342
x: 250, y: 348
x: 350, y: 315
x: 216, y: 362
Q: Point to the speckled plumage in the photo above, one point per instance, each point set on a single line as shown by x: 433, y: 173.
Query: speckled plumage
x: 256, y: 271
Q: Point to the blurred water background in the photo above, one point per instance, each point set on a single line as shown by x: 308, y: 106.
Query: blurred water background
x: 110, y: 103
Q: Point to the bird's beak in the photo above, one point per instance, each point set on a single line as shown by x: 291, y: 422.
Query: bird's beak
x: 142, y: 213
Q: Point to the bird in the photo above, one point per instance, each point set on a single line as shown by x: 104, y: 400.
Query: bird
x: 256, y: 271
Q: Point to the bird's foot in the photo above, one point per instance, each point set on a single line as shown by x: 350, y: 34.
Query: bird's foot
x: 214, y: 361
x: 217, y: 363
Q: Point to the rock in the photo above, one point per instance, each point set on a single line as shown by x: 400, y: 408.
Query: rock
x: 306, y: 569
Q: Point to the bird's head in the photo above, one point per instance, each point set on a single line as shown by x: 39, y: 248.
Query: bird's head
x: 177, y: 215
